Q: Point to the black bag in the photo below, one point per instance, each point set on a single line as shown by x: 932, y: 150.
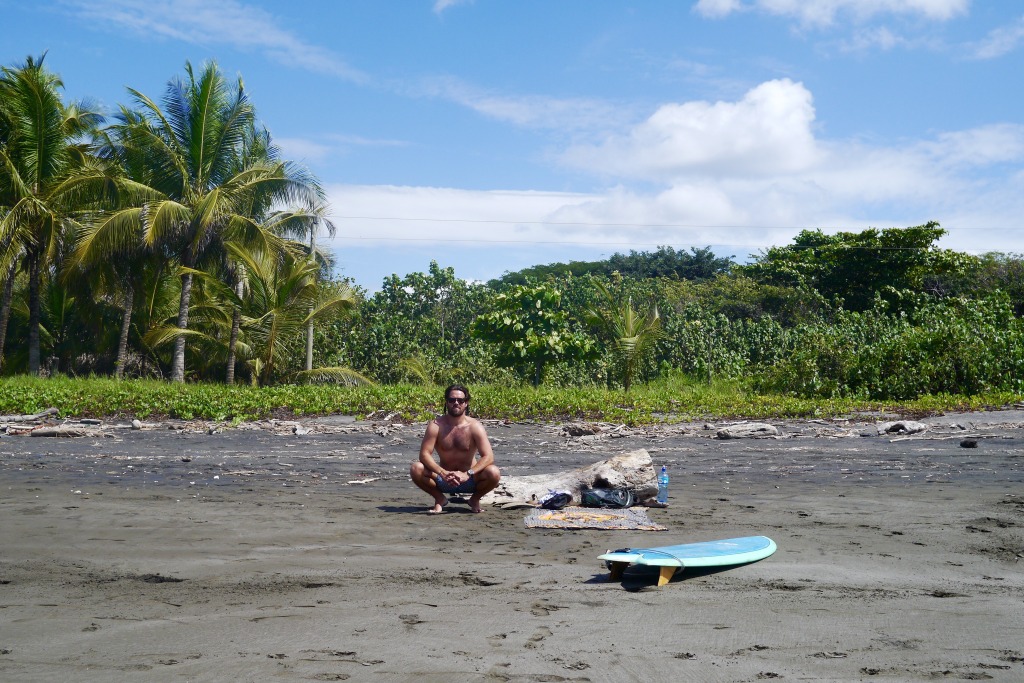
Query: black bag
x: 607, y: 498
x: 555, y: 500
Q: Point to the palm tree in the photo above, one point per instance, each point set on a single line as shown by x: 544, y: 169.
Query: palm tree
x: 291, y: 223
x: 284, y: 299
x: 6, y: 200
x: 631, y: 334
x: 210, y: 190
x: 42, y: 155
x: 5, y: 307
x: 110, y: 245
x: 117, y: 271
x: 258, y: 147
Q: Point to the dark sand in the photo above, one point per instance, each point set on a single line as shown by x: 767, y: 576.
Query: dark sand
x: 257, y: 554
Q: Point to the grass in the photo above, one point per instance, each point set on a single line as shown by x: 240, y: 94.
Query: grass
x: 670, y: 400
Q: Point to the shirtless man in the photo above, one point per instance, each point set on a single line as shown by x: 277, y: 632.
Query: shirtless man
x: 457, y: 438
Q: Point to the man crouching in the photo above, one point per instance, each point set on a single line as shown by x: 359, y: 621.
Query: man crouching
x: 457, y: 438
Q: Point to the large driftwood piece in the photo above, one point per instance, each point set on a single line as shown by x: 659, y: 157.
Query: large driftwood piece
x: 65, y: 430
x: 633, y: 471
x: 901, y: 427
x: 748, y: 430
x: 37, y: 417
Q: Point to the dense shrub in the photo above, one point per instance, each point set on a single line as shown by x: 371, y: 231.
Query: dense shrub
x: 952, y: 346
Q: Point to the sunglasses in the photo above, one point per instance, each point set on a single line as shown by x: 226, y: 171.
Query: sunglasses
x: 458, y: 400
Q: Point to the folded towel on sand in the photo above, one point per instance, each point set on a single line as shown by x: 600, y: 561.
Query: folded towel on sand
x: 590, y: 518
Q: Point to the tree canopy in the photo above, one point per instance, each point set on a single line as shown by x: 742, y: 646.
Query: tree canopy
x: 852, y: 268
x: 665, y: 262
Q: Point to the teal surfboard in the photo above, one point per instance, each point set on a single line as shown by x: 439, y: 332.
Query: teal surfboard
x: 724, y: 553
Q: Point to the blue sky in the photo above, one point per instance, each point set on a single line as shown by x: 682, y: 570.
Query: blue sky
x: 491, y: 136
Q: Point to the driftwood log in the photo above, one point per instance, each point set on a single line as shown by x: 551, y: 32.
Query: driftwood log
x: 901, y: 427
x: 36, y: 417
x: 66, y: 430
x: 748, y: 430
x: 633, y: 471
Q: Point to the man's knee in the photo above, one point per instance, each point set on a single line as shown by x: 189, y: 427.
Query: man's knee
x: 416, y: 470
x: 489, y: 473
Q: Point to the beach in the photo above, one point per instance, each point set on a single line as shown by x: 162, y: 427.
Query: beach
x: 300, y: 551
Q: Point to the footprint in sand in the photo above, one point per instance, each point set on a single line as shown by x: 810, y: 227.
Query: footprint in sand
x: 538, y: 637
x: 543, y: 608
x: 410, y: 619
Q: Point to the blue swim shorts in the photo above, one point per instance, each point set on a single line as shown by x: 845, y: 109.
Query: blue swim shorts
x: 468, y: 486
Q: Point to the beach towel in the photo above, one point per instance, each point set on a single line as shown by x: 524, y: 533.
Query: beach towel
x: 589, y: 518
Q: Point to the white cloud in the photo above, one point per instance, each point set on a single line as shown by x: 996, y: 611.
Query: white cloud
x: 441, y: 5
x: 825, y: 12
x: 388, y: 213
x: 215, y: 22
x: 528, y: 111
x: 300, y: 149
x: 874, y: 39
x: 714, y: 9
x: 978, y: 147
x: 767, y: 132
x: 307, y: 150
x: 1001, y: 41
x: 743, y: 174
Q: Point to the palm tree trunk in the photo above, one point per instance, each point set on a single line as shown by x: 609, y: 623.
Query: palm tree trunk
x: 309, y: 345
x: 5, y: 310
x: 178, y: 363
x: 126, y: 322
x: 33, y: 315
x: 309, y: 328
x: 236, y: 324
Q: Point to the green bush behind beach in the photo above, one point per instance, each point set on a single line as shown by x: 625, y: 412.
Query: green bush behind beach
x: 664, y: 401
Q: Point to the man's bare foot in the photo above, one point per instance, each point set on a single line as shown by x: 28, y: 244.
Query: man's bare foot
x: 438, y: 507
x: 474, y: 505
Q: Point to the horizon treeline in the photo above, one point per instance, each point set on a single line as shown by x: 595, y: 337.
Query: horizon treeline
x: 171, y: 240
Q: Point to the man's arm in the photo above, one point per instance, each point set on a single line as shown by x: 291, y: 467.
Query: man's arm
x: 483, y: 445
x: 427, y: 449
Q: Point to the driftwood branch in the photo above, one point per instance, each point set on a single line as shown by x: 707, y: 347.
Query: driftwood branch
x: 43, y: 424
x: 633, y: 471
x: 66, y: 430
x: 37, y: 417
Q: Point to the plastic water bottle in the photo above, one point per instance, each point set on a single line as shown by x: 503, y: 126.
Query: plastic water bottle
x: 663, y: 486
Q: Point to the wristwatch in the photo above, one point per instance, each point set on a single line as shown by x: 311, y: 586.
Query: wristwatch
x: 470, y: 471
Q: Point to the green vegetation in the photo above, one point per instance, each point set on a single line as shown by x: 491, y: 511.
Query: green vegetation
x: 173, y: 242
x: 669, y: 400
x: 630, y: 335
x: 530, y: 329
x: 665, y: 262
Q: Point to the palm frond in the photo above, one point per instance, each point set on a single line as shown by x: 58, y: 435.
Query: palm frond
x: 164, y: 334
x: 338, y: 375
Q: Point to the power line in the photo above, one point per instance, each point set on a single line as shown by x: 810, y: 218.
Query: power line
x: 685, y: 226
x: 580, y: 223
x: 484, y: 241
x: 567, y: 243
